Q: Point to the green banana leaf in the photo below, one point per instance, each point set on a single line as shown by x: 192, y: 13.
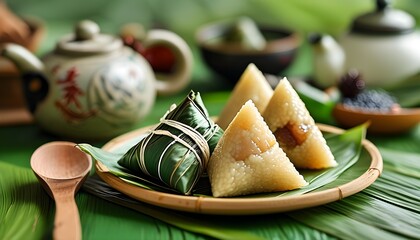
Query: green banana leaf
x: 26, y: 211
x: 407, y: 93
x: 346, y: 148
x: 318, y: 103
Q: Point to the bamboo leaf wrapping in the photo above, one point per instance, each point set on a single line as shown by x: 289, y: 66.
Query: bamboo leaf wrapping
x: 177, y: 151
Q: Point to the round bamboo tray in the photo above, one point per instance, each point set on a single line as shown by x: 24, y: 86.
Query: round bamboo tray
x: 241, y: 206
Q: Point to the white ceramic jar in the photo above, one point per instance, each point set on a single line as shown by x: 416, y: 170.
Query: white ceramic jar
x: 383, y: 46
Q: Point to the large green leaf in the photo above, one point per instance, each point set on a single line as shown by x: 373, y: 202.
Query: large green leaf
x: 401, y: 162
x: 346, y: 148
x: 370, y: 211
x: 340, y: 225
x: 24, y: 206
x: 407, y: 91
x: 224, y: 227
x: 318, y: 102
x: 26, y: 212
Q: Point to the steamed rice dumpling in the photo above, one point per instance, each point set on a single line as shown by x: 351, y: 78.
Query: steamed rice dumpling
x: 252, y: 85
x: 177, y: 151
x: 248, y: 159
x: 295, y: 129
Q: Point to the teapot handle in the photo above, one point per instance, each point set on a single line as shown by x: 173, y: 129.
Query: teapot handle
x: 176, y: 81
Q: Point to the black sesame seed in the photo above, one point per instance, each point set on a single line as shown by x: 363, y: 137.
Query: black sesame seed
x: 374, y: 100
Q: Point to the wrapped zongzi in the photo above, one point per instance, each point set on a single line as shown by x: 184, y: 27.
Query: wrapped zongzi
x: 177, y: 151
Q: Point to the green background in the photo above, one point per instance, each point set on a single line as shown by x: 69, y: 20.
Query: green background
x: 393, y: 211
x: 184, y: 17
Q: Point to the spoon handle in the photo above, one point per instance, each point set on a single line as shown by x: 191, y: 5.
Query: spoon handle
x: 67, y: 221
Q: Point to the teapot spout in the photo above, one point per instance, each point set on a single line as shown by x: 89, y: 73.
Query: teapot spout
x: 24, y: 60
x: 35, y: 84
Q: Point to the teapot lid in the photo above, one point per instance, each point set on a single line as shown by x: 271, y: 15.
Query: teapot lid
x: 384, y: 21
x: 87, y: 40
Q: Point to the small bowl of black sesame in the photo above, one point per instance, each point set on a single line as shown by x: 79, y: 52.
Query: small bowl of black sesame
x: 359, y: 105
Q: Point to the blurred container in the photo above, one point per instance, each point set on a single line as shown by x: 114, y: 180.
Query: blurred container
x: 12, y: 101
x: 230, y: 59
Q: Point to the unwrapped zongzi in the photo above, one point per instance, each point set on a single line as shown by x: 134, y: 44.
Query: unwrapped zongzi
x: 252, y: 85
x: 248, y: 159
x: 295, y: 129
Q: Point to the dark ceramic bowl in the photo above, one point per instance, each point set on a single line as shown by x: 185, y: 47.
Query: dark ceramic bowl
x: 230, y: 59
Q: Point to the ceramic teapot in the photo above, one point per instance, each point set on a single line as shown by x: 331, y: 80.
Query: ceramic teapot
x: 383, y: 46
x: 91, y: 86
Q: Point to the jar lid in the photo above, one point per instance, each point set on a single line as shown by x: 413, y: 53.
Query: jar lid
x: 87, y: 40
x: 384, y: 21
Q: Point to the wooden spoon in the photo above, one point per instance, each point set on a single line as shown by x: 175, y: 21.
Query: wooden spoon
x: 61, y: 168
x: 394, y: 122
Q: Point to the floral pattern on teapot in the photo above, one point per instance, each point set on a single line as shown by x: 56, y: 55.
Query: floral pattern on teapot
x: 92, y: 86
x: 115, y: 93
x: 70, y: 104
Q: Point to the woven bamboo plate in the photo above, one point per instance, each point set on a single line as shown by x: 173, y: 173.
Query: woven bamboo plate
x: 241, y: 206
